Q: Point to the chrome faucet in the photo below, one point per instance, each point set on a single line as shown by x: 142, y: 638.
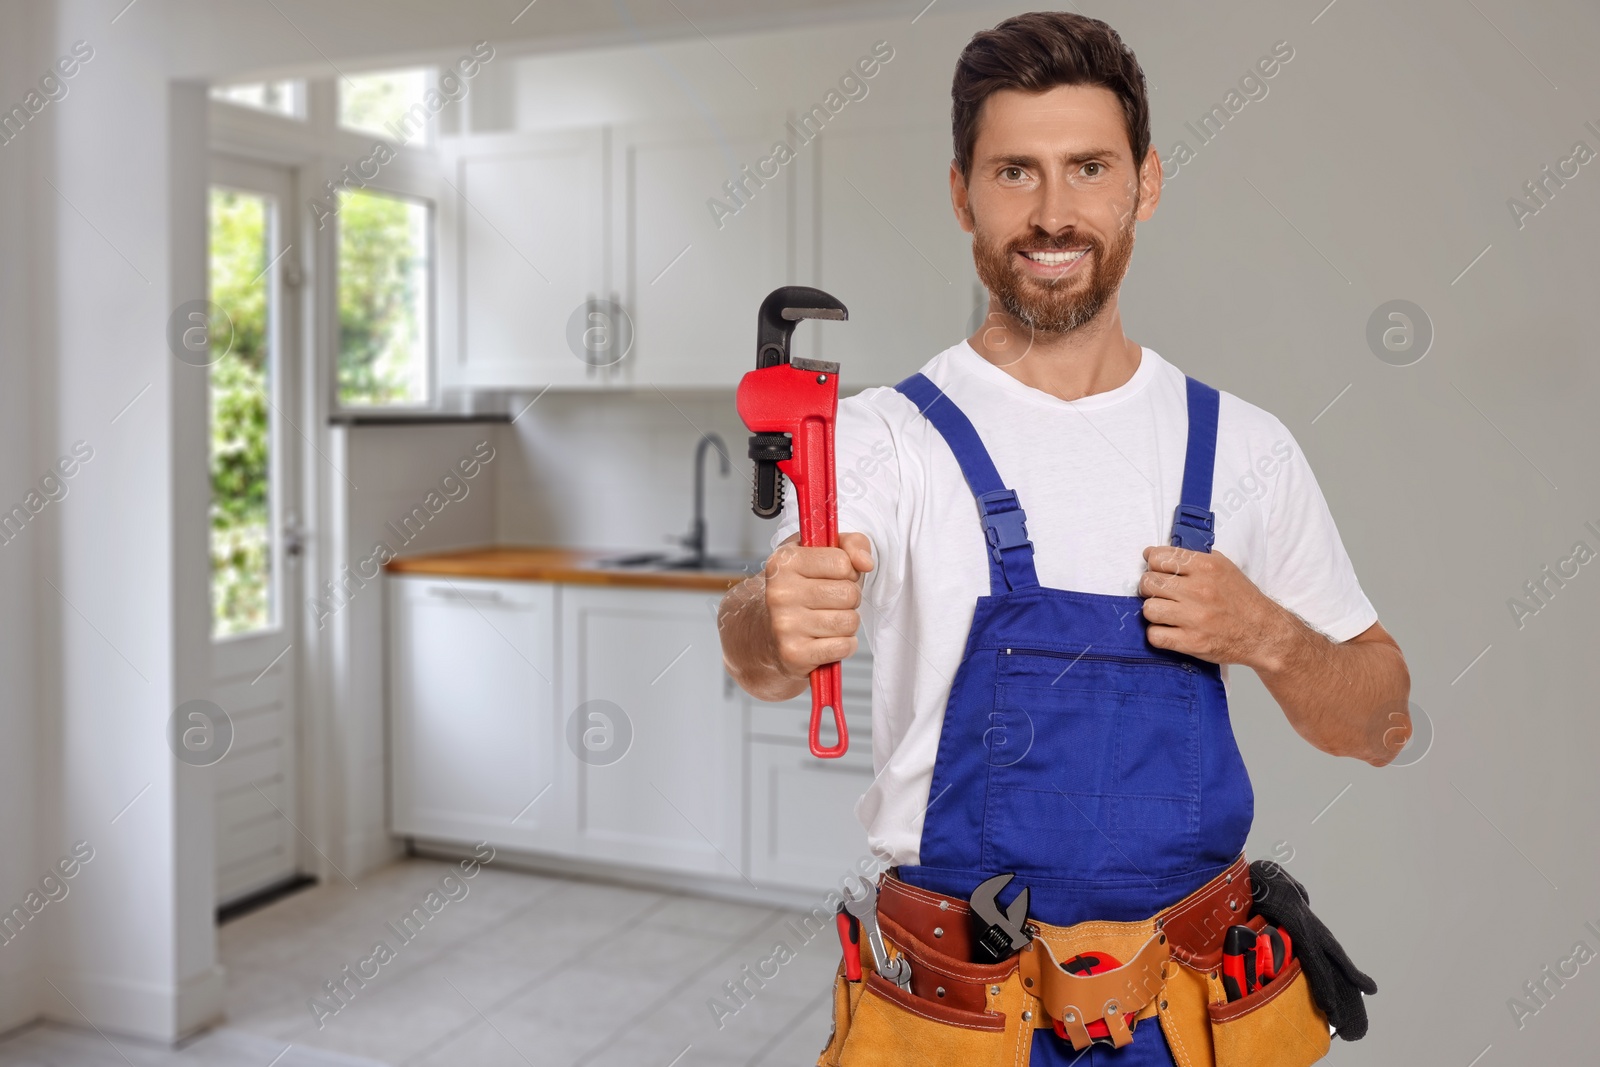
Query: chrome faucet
x: 696, y: 539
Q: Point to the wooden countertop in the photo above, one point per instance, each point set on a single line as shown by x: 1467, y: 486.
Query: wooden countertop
x: 572, y: 566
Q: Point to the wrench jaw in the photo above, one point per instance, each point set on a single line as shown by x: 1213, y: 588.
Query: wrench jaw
x: 1003, y: 932
x: 782, y: 310
x: 898, y: 971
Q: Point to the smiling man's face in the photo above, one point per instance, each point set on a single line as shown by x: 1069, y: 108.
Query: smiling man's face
x: 1052, y: 201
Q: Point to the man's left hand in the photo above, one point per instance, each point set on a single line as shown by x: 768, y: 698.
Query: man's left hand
x: 1201, y: 604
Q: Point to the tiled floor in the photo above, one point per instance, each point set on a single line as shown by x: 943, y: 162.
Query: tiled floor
x: 523, y: 970
x: 55, y: 1046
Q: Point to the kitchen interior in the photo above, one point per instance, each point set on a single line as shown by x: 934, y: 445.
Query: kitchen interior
x: 392, y: 349
x: 473, y: 313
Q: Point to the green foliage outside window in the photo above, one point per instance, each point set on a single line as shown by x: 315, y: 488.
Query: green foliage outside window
x: 383, y: 293
x: 241, y: 558
x: 379, y: 103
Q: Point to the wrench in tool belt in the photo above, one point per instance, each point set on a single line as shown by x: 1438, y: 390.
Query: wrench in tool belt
x: 865, y: 909
x: 1004, y: 932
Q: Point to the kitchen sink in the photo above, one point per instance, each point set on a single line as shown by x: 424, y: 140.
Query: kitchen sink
x: 662, y: 561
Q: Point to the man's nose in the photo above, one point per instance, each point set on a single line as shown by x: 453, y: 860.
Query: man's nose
x: 1059, y: 206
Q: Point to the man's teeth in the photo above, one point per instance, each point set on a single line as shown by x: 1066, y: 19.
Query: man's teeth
x: 1055, y: 259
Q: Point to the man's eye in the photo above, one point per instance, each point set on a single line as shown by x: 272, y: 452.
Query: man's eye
x: 1014, y: 174
x: 1093, y: 170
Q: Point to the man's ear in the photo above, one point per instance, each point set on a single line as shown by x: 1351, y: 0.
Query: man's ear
x: 1150, y: 181
x: 958, y: 199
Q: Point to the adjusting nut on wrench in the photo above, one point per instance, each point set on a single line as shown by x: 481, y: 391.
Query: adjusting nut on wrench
x: 895, y: 969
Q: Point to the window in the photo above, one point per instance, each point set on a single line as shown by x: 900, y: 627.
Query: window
x: 280, y: 98
x: 241, y: 439
x: 390, y: 104
x: 385, y: 275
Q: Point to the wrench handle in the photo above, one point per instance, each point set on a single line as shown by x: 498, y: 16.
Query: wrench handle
x: 819, y: 527
x: 825, y: 695
x: 801, y: 400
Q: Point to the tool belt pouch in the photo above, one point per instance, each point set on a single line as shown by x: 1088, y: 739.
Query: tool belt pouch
x: 1117, y: 998
x: 1278, y: 1025
x: 953, y: 1017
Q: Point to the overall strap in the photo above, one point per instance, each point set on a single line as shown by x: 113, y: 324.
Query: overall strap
x: 1004, y: 523
x: 1193, y: 525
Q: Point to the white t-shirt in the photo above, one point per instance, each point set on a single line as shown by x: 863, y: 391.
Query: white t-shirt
x: 1098, y: 478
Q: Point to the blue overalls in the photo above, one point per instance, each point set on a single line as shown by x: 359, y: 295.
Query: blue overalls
x: 1099, y: 769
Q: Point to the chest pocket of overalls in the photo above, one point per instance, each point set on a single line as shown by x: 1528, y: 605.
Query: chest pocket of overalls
x: 1098, y: 762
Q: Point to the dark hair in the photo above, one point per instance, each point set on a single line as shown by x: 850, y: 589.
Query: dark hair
x: 1040, y: 50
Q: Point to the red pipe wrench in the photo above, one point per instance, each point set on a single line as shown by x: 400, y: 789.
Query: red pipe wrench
x: 789, y: 405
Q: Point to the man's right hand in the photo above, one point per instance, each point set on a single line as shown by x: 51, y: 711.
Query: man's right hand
x: 812, y: 595
x: 797, y: 615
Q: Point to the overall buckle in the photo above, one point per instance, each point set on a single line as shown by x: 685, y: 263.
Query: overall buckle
x: 1193, y: 527
x: 1005, y: 524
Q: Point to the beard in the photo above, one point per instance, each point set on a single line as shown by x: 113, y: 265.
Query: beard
x: 1054, y: 307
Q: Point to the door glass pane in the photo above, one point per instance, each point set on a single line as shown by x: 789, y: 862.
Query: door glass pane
x: 242, y: 589
x: 385, y: 271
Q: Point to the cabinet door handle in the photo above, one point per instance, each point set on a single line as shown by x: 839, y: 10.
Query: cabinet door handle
x: 459, y: 594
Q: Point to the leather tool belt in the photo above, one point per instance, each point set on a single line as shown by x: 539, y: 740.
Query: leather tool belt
x: 969, y: 1014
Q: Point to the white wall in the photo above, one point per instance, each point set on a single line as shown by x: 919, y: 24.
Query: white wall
x: 121, y: 612
x: 616, y: 471
x: 20, y: 864
x: 391, y: 471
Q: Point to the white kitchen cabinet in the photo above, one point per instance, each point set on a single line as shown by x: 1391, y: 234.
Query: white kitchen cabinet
x: 596, y: 724
x: 888, y: 245
x: 693, y: 280
x: 524, y: 247
x: 803, y: 831
x: 648, y: 663
x: 476, y: 750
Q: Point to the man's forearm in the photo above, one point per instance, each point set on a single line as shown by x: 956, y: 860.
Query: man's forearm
x: 1346, y: 698
x: 748, y: 650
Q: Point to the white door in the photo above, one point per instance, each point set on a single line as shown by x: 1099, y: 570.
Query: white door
x: 255, y: 571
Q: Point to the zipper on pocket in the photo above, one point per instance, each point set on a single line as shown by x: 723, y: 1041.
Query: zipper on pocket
x: 1104, y: 657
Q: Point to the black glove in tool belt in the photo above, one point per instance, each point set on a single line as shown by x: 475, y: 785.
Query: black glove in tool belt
x: 1335, y: 983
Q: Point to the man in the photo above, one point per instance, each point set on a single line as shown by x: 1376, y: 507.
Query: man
x: 1028, y: 718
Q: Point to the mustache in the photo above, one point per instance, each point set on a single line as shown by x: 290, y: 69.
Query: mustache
x: 1060, y: 242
